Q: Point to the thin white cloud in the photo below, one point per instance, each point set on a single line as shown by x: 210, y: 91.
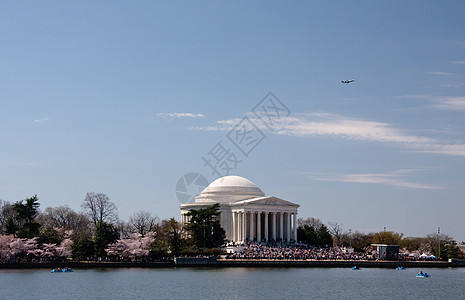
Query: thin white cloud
x: 41, y: 120
x: 181, y: 115
x: 449, y: 103
x: 336, y: 126
x: 394, y: 178
x: 458, y: 62
x: 441, y: 102
x: 438, y: 73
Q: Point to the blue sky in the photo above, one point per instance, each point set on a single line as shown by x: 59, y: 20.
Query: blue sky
x: 124, y: 98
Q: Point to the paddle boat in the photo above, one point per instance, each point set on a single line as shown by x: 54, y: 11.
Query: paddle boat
x: 355, y: 268
x: 423, y: 275
x: 61, y: 270
x: 400, y: 268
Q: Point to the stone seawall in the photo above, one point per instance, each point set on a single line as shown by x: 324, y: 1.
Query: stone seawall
x: 243, y: 263
x: 336, y: 264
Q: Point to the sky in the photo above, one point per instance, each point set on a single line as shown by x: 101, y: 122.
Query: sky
x: 127, y: 98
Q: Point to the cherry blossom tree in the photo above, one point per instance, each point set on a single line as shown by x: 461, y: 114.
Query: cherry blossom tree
x: 135, y: 247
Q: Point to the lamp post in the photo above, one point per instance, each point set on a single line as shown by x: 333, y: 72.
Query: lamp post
x: 439, y: 238
x: 350, y: 238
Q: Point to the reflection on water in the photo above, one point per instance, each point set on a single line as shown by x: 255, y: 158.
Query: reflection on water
x: 231, y: 283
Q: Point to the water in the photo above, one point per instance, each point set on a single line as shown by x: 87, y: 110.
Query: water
x: 232, y: 283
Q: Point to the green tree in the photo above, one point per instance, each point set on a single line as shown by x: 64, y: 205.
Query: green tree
x: 204, y: 227
x: 388, y: 238
x: 315, y: 236
x: 175, y: 240
x: 26, y: 213
x: 82, y: 248
x: 159, y: 249
x: 168, y: 239
x: 449, y: 250
x: 11, y: 227
x: 105, y: 234
x: 50, y: 235
x: 307, y: 234
x: 324, y: 238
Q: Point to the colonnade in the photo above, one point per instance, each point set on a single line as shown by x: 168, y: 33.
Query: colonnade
x: 264, y: 226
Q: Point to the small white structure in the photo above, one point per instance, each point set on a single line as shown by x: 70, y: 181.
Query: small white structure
x: 246, y: 213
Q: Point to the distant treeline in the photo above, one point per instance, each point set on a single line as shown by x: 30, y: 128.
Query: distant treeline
x: 97, y: 233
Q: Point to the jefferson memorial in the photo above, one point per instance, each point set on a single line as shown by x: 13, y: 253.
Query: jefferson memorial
x: 246, y: 213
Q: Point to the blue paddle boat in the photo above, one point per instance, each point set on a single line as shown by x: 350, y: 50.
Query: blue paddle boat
x: 423, y: 275
x: 355, y: 268
x: 61, y: 270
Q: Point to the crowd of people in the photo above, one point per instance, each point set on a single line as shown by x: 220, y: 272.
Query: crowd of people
x: 294, y: 252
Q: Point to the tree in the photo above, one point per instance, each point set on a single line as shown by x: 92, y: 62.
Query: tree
x: 388, y: 238
x: 6, y: 213
x: 335, y: 229
x: 134, y: 247
x: 168, y: 239
x: 307, y: 234
x: 26, y: 214
x: 204, y: 227
x: 412, y: 243
x: 105, y: 234
x: 434, y: 241
x: 125, y: 229
x: 64, y: 218
x: 49, y: 235
x: 324, y: 238
x: 143, y: 222
x: 312, y: 222
x: 361, y: 241
x: 449, y: 250
x: 99, y: 208
x: 11, y: 227
x: 82, y: 248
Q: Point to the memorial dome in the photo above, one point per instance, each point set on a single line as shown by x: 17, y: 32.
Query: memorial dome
x: 229, y: 189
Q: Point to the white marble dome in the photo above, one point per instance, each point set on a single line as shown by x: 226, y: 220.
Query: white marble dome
x: 229, y: 189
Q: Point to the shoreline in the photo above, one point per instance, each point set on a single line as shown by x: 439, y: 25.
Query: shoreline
x: 243, y: 263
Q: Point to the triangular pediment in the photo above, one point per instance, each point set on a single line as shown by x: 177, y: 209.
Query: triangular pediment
x: 269, y: 201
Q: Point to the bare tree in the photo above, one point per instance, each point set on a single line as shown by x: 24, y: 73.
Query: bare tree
x: 431, y: 242
x: 335, y: 229
x: 124, y: 228
x: 63, y: 217
x: 143, y: 221
x: 99, y: 208
x: 312, y: 222
x: 6, y: 212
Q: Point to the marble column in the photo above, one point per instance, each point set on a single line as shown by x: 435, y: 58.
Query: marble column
x: 281, y: 226
x: 244, y: 227
x: 266, y: 226
x: 288, y: 222
x: 295, y: 227
x: 273, y: 227
x: 238, y: 226
x: 234, y: 231
x: 252, y: 225
x: 259, y: 226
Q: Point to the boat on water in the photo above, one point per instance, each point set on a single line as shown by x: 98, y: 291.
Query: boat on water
x: 355, y: 268
x: 423, y: 275
x: 61, y: 270
x: 400, y: 268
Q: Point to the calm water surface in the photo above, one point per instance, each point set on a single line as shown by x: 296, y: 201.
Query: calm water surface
x: 232, y: 283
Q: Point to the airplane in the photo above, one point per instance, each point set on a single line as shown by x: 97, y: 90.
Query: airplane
x: 348, y: 81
